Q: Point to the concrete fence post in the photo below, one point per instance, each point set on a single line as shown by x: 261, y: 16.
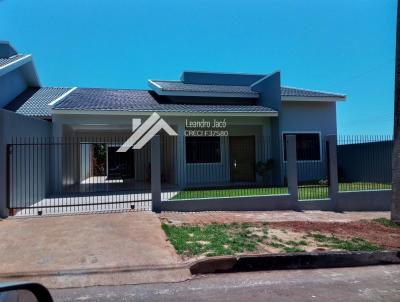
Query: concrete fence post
x: 156, y: 174
x: 3, y: 168
x: 291, y: 167
x: 332, y: 169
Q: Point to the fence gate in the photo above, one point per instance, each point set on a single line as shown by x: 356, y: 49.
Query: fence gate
x: 75, y: 175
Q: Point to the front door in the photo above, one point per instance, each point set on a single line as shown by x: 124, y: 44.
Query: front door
x: 242, y: 158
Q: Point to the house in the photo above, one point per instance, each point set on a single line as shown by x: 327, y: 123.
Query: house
x: 226, y: 124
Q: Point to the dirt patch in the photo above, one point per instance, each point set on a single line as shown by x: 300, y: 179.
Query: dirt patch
x: 196, y: 241
x: 376, y: 233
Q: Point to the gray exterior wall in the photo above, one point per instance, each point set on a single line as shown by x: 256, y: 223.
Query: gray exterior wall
x: 214, y: 78
x: 294, y: 117
x: 309, y: 117
x: 15, y: 125
x: 11, y: 85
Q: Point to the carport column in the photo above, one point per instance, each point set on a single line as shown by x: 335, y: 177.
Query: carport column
x: 332, y: 169
x: 291, y: 156
x: 156, y: 174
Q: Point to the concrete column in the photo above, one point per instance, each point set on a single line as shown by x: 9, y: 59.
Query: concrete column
x: 156, y: 174
x: 3, y: 169
x: 332, y: 168
x: 180, y: 163
x: 56, y: 160
x: 291, y: 157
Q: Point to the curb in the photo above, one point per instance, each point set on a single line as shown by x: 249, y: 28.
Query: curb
x: 248, y: 263
x: 91, y: 271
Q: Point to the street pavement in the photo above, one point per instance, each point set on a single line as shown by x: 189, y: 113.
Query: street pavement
x: 374, y: 283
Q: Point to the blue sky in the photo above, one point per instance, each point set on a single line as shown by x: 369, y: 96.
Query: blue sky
x: 341, y: 46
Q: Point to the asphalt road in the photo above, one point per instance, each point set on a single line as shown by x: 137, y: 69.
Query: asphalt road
x: 375, y: 283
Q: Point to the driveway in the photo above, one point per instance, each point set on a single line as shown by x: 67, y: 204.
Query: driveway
x: 129, y: 246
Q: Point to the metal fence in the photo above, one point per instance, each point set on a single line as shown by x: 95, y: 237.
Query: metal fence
x: 72, y: 175
x: 364, y: 162
x: 220, y: 167
x: 86, y: 174
x: 312, y: 167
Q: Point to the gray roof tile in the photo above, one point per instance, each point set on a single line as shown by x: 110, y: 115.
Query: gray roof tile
x: 139, y: 100
x: 292, y: 91
x: 239, y: 90
x: 34, y: 101
x: 5, y: 61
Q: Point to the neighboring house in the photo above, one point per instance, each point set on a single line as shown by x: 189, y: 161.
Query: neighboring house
x: 255, y: 110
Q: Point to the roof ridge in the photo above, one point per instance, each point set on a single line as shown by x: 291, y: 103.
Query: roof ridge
x: 125, y: 89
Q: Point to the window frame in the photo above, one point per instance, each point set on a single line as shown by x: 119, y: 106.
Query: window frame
x: 302, y: 132
x: 209, y: 163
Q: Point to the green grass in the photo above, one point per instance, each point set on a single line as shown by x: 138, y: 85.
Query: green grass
x: 211, y: 240
x: 363, y: 186
x: 276, y: 245
x: 305, y: 191
x: 296, y: 243
x: 231, y: 239
x: 353, y: 244
x: 386, y: 222
x: 211, y: 193
x: 289, y: 249
x: 225, y: 239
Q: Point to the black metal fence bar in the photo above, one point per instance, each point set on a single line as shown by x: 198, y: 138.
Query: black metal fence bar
x: 86, y: 174
x: 312, y: 166
x: 71, y: 175
x: 220, y: 167
x: 364, y: 162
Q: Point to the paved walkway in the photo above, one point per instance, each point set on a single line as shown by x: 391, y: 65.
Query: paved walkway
x: 114, y: 248
x: 251, y: 217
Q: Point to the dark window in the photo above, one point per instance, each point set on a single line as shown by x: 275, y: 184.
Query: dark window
x: 308, y: 146
x: 203, y: 150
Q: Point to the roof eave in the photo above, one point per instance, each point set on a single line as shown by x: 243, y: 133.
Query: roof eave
x: 15, y: 64
x: 166, y: 113
x: 314, y: 98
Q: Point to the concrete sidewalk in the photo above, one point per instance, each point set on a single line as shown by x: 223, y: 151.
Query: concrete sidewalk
x: 84, y: 250
x: 268, y: 216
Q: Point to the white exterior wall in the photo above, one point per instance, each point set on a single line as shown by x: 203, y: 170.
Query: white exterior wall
x: 33, y: 160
